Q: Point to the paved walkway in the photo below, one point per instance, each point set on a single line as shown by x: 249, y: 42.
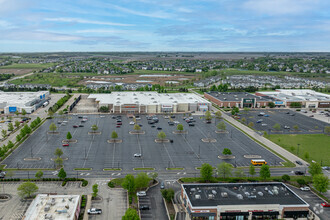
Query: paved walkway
x: 88, y: 206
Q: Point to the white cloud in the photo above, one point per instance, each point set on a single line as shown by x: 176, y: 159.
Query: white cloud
x: 280, y: 7
x: 5, y: 24
x: 85, y: 21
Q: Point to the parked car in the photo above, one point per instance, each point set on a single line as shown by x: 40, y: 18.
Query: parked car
x: 305, y: 188
x: 159, y: 128
x: 144, y: 207
x: 119, y: 123
x: 326, y: 168
x: 312, y: 116
x: 94, y: 211
x: 259, y: 121
x: 170, y: 123
x: 118, y: 126
x: 132, y: 123
x: 191, y: 124
x: 141, y: 193
x: 266, y: 115
x: 162, y: 185
x: 65, y: 145
x: 286, y: 127
x: 81, y: 126
x: 299, y: 173
x: 299, y: 162
x: 137, y: 155
x: 325, y: 204
x: 75, y: 126
x: 2, y: 174
x: 263, y: 124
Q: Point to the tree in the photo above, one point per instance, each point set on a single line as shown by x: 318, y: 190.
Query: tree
x: 225, y: 169
x: 142, y: 180
x: 206, y: 172
x: 226, y: 151
x: 179, y: 127
x: 277, y: 127
x: 68, y: 136
x: 104, y: 109
x: 39, y: 174
x: 137, y: 127
x: 243, y: 120
x: 17, y: 123
x: 252, y: 171
x: 16, y: 113
x: 129, y: 183
x: 208, y: 116
x: 301, y: 182
x: 239, y: 172
x: 10, y: 126
x: 50, y: 113
x: 26, y: 189
x: 94, y: 128
x: 321, y: 182
x: 251, y: 124
x: 168, y: 194
x: 95, y: 190
x: 130, y: 214
x: 23, y: 112
x: 4, y: 133
x: 52, y: 127
x: 58, y: 161
x: 285, y: 178
x: 327, y: 130
x: 58, y: 152
x: 296, y: 127
x: 315, y: 169
x: 271, y: 104
x: 218, y: 115
x: 161, y: 135
x: 61, y: 174
x: 221, y: 126
x: 114, y: 135
x: 264, y: 172
x: 153, y: 175
x: 27, y: 129
x: 60, y: 113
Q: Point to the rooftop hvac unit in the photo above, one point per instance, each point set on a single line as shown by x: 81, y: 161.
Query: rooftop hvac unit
x: 214, y: 192
x: 197, y: 196
x: 275, y: 191
x: 224, y: 195
x: 252, y: 197
x: 225, y: 98
x: 46, y: 208
x: 270, y: 192
x: 210, y: 196
x: 247, y: 193
x: 48, y: 216
x: 239, y: 196
x: 260, y: 194
x: 192, y: 189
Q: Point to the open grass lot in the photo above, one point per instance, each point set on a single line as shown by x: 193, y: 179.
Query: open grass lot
x: 317, y: 145
x: 53, y: 79
x: 27, y: 66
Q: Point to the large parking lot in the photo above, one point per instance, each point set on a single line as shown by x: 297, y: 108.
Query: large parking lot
x: 264, y: 120
x: 93, y: 151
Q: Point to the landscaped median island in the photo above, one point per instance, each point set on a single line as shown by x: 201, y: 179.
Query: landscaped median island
x: 306, y: 146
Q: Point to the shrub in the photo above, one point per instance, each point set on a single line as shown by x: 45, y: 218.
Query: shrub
x: 84, y: 183
x: 111, y: 185
x: 301, y: 182
x: 130, y: 198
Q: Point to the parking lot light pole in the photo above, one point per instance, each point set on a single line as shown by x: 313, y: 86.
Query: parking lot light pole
x: 298, y: 150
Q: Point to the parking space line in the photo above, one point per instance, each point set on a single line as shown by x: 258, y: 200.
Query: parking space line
x: 169, y: 155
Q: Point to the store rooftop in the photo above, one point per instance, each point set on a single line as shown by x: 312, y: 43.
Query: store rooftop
x: 201, y: 195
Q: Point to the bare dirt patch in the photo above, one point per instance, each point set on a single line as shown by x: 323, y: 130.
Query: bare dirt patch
x: 17, y: 72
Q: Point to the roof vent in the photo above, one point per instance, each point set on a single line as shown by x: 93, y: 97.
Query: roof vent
x: 224, y: 195
x: 260, y: 194
x: 239, y: 196
x: 252, y: 197
x: 210, y: 196
x: 197, y: 196
x: 214, y: 192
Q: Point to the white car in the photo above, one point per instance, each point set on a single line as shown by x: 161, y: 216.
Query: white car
x: 102, y: 116
x: 263, y: 125
x: 166, y: 117
x: 137, y: 155
x: 94, y: 211
x: 305, y: 188
x: 286, y: 127
x: 132, y: 123
x: 141, y: 193
x: 176, y: 122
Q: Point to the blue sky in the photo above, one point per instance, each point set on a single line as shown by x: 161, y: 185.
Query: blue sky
x: 164, y: 25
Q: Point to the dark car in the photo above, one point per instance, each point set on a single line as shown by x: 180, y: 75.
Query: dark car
x: 151, y: 122
x: 172, y: 116
x: 170, y: 123
x: 299, y: 162
x: 113, y: 117
x: 153, y: 126
x: 144, y: 207
x: 191, y: 124
x: 171, y: 141
x: 299, y: 173
x: 81, y: 126
x: 208, y: 122
x: 159, y: 128
x: 80, y: 116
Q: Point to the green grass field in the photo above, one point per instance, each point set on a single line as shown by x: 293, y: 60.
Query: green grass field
x: 28, y: 66
x: 317, y: 146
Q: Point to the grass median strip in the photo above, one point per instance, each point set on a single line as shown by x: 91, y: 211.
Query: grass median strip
x: 175, y: 168
x: 144, y: 168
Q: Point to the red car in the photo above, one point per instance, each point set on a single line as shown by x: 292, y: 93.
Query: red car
x: 118, y: 126
x: 324, y: 204
x: 75, y: 126
x: 119, y: 123
x: 65, y: 145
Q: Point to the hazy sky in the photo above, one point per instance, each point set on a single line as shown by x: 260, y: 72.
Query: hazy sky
x: 164, y: 25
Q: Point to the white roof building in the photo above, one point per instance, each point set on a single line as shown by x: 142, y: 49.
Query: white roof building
x: 56, y: 207
x: 12, y: 101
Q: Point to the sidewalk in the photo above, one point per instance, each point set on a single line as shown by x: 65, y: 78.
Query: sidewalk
x: 88, y: 206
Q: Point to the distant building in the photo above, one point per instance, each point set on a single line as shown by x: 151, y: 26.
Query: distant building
x: 243, y: 201
x: 237, y: 99
x: 59, y: 207
x: 150, y: 102
x: 10, y: 102
x: 308, y: 98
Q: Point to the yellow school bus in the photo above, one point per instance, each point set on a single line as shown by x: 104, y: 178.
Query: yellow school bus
x: 258, y: 162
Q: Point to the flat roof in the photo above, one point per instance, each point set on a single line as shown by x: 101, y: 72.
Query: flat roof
x: 236, y: 96
x: 61, y: 207
x: 297, y: 95
x: 20, y: 98
x: 214, y: 194
x: 147, y: 98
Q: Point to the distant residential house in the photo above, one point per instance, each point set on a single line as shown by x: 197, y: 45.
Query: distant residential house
x: 198, y: 70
